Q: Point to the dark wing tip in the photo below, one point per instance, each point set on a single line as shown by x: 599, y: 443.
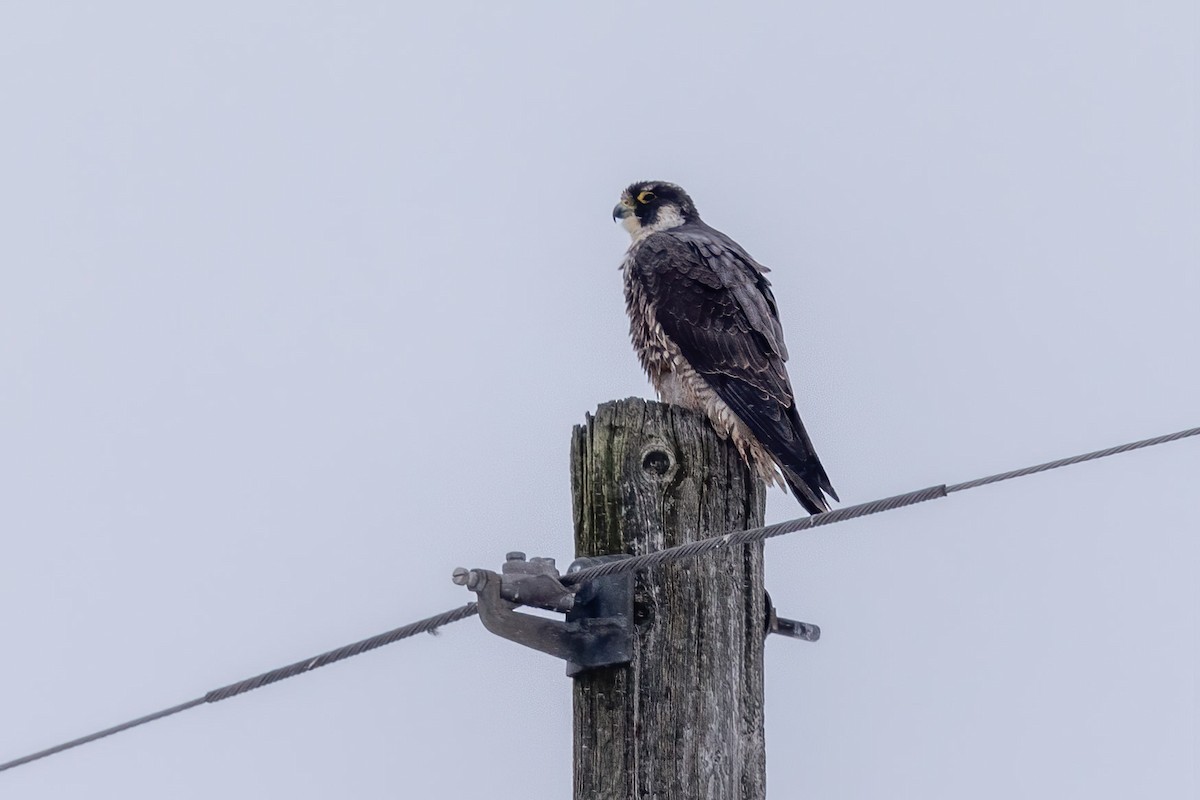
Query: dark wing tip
x: 808, y: 490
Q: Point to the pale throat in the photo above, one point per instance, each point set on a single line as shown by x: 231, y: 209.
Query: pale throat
x: 669, y: 216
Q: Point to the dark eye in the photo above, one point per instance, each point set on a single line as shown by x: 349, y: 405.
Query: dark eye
x: 645, y: 197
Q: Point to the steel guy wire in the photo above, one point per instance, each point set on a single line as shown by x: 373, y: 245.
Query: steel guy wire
x: 668, y: 555
x: 1066, y: 462
x: 701, y: 546
x: 427, y: 625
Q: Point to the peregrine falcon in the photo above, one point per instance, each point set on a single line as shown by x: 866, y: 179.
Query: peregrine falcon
x: 706, y: 329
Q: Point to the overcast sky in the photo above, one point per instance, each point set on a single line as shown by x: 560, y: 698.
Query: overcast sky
x: 298, y: 307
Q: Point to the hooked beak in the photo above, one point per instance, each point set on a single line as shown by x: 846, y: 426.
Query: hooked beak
x: 621, y: 211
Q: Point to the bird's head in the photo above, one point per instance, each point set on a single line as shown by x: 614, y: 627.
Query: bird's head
x: 651, y: 206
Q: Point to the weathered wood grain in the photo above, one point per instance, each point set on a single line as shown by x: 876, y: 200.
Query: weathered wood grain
x: 684, y: 721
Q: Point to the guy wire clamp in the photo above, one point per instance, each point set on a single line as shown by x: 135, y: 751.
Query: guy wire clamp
x: 598, y: 631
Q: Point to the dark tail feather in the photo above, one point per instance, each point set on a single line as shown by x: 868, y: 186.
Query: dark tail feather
x: 781, y: 435
x: 804, y: 473
x: 808, y: 488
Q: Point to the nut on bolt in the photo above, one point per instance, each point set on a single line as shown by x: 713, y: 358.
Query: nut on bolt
x: 466, y: 577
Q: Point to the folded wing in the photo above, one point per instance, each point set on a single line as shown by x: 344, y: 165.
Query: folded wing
x: 715, y: 303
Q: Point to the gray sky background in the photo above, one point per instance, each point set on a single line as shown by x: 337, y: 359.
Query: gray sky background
x: 298, y: 305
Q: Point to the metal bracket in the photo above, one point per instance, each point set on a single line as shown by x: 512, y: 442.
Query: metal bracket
x: 598, y: 631
x: 789, y: 627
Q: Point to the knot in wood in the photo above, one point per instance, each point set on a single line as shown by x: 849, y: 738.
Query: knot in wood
x: 657, y: 460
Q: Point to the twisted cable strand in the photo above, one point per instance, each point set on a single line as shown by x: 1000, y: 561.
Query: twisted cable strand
x: 702, y: 546
x: 427, y: 625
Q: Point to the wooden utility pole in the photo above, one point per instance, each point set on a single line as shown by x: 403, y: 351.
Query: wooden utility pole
x: 683, y: 720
